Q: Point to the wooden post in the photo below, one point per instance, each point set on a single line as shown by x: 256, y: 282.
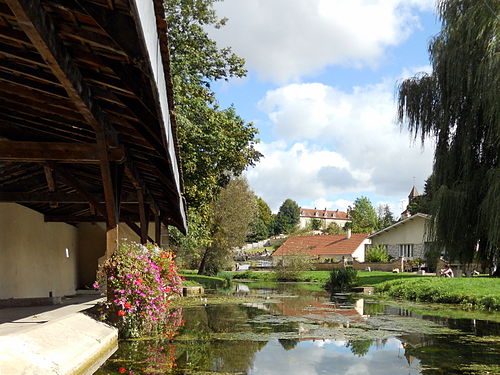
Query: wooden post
x: 142, y: 217
x: 111, y: 241
x: 158, y: 229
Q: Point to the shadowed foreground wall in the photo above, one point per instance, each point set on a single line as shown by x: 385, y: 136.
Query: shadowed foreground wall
x: 33, y: 258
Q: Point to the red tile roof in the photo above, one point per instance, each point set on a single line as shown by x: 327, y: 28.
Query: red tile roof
x: 309, y: 212
x: 336, y: 244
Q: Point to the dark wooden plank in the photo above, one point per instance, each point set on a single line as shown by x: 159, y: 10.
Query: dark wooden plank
x: 64, y: 152
x: 70, y: 180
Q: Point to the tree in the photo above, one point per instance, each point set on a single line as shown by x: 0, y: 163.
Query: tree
x: 333, y: 228
x: 458, y: 105
x: 261, y: 226
x: 385, y: 218
x: 233, y: 212
x: 363, y: 216
x: 288, y: 217
x: 315, y: 224
x: 215, y: 144
x: 377, y: 253
x: 422, y: 203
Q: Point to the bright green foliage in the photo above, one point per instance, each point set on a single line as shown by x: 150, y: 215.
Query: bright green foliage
x: 315, y: 224
x: 385, y: 218
x: 190, y: 248
x: 342, y: 279
x: 363, y: 216
x: 261, y: 226
x: 458, y: 105
x: 215, y: 143
x: 233, y: 212
x: 333, y: 228
x: 288, y: 217
x: 291, y: 267
x: 377, y: 254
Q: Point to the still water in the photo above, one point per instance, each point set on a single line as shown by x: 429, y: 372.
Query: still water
x: 294, y: 329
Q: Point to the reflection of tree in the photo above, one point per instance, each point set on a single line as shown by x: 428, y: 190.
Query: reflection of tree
x: 288, y: 344
x: 198, y: 352
x: 359, y: 347
x: 371, y: 308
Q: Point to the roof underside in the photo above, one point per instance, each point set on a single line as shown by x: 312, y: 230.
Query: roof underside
x: 81, y: 125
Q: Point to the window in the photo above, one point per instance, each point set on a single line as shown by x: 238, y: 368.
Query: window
x: 406, y: 250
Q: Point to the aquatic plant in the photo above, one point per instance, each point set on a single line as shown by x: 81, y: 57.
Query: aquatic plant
x: 342, y: 279
x: 141, y: 281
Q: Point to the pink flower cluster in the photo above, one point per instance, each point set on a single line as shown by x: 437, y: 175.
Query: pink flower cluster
x: 141, y: 282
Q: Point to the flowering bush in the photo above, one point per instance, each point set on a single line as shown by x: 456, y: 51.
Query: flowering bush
x: 141, y: 281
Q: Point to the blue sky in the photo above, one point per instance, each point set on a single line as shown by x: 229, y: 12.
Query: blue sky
x: 321, y: 89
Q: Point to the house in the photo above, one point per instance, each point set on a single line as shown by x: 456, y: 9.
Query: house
x: 407, y: 238
x: 325, y: 216
x: 324, y: 248
x: 88, y: 146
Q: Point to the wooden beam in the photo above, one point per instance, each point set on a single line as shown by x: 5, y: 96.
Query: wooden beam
x: 58, y: 197
x: 49, y: 176
x: 158, y: 230
x: 71, y: 181
x: 13, y: 151
x: 137, y: 230
x: 39, y: 28
x: 142, y: 217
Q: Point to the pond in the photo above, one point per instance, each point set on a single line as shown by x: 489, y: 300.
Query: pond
x: 297, y: 329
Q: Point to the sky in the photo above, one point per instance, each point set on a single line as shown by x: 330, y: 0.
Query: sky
x: 321, y: 88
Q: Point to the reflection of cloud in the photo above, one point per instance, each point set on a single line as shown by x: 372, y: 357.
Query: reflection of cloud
x: 320, y: 357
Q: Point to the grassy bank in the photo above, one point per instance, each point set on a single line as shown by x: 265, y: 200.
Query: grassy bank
x: 365, y: 278
x: 209, y: 282
x: 473, y: 293
x: 482, y: 293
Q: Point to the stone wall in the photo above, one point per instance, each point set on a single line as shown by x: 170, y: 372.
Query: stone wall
x: 360, y: 266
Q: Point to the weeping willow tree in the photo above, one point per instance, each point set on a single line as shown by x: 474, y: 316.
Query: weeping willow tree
x: 458, y: 105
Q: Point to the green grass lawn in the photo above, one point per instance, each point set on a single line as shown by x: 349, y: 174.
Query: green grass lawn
x: 481, y: 292
x: 210, y: 282
x: 365, y: 278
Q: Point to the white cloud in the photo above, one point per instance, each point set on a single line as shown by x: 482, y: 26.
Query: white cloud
x: 335, y: 142
x: 284, y: 40
x: 340, y: 204
x: 294, y: 172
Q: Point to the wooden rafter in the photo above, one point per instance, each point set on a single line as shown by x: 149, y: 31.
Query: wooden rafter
x: 56, y: 151
x: 41, y: 31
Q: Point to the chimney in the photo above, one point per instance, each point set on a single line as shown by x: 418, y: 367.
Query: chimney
x: 348, y: 233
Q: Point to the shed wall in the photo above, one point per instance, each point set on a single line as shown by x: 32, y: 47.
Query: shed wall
x: 33, y: 258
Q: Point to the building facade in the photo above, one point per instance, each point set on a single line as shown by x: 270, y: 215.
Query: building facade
x: 407, y: 238
x: 307, y: 215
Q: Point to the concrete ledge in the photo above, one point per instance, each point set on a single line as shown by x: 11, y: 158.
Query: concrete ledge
x: 75, y: 344
x: 25, y: 302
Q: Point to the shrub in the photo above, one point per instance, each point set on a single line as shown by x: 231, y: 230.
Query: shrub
x: 291, y: 267
x: 141, y: 281
x: 342, y: 279
x: 377, y: 254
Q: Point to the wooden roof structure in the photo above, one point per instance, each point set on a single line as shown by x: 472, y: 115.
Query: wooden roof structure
x: 87, y: 131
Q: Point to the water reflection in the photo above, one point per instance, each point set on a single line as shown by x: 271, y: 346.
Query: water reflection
x: 291, y: 329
